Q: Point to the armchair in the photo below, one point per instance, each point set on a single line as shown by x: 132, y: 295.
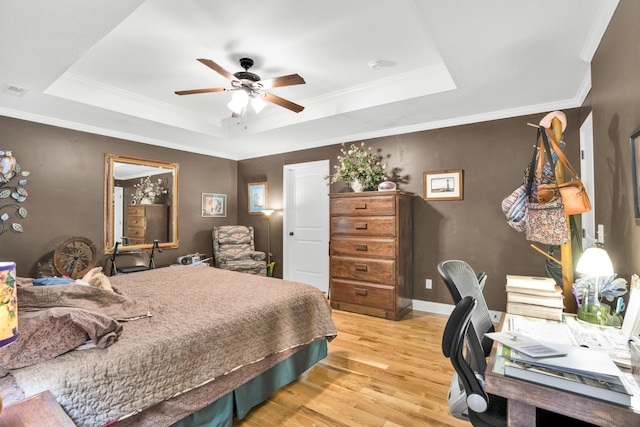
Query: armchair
x: 234, y: 249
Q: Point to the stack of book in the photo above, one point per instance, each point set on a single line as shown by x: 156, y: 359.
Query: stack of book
x: 534, y: 296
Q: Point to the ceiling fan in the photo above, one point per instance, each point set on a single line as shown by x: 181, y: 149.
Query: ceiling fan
x: 248, y: 86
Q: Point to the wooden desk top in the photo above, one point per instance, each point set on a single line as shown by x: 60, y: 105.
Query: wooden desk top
x: 524, y: 397
x: 35, y: 411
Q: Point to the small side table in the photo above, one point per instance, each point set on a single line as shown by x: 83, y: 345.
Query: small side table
x: 39, y: 410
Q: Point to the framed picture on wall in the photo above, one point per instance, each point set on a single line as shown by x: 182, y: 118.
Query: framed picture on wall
x: 443, y: 185
x: 635, y: 173
x: 258, y: 197
x: 214, y: 205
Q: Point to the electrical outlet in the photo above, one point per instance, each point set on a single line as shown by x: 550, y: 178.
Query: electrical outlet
x: 428, y: 284
x: 495, y: 316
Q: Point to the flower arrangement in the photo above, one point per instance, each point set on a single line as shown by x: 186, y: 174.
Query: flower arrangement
x: 358, y: 166
x: 147, y: 191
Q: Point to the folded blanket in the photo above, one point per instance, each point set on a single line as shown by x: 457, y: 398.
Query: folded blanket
x: 106, y: 302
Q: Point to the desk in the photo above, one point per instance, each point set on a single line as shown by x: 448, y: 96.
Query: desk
x: 524, y: 397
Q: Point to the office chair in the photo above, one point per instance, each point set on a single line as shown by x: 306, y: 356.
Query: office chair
x: 462, y: 281
x: 483, y: 409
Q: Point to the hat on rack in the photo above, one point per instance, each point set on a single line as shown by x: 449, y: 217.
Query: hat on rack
x: 546, y: 120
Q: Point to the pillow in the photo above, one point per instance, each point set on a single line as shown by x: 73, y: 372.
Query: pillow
x: 52, y: 281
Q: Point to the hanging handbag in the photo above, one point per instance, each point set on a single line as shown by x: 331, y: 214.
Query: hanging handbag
x: 513, y: 206
x: 574, y: 195
x: 545, y: 222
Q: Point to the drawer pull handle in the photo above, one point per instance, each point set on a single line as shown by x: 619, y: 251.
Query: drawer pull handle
x: 362, y: 206
x: 361, y: 292
x: 361, y: 226
x: 362, y: 248
x: 360, y: 267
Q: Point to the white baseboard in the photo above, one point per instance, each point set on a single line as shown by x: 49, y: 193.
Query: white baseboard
x: 446, y: 309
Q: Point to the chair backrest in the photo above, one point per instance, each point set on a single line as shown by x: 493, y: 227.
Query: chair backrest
x: 462, y: 281
x: 453, y: 344
x: 235, y: 241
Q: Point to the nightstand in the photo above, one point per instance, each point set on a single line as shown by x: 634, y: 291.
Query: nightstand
x: 39, y: 410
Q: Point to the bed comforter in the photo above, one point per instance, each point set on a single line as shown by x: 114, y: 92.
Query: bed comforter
x: 204, y: 324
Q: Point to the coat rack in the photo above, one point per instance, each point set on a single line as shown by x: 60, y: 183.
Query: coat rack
x: 566, y: 256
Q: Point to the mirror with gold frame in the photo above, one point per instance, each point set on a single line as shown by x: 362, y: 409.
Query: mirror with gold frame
x: 131, y: 216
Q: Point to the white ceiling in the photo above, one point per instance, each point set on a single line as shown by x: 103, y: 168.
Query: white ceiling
x: 111, y: 68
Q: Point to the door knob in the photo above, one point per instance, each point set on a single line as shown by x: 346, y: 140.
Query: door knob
x: 291, y: 233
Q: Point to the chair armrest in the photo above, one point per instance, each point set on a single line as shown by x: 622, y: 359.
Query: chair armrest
x: 258, y: 255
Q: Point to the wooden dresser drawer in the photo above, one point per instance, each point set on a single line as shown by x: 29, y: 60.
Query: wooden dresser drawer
x: 136, y: 221
x: 376, y: 205
x: 367, y: 247
x: 365, y: 226
x: 365, y: 269
x: 371, y: 295
x: 135, y: 232
x: 137, y: 210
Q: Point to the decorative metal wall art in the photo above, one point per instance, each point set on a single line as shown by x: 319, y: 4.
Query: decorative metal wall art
x: 11, y: 195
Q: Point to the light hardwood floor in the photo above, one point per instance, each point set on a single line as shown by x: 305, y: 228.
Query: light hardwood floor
x: 378, y: 373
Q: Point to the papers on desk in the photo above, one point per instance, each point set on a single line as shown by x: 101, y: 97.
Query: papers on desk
x: 585, y: 371
x: 525, y: 345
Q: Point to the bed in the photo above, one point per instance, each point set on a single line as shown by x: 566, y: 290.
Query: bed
x: 199, y: 346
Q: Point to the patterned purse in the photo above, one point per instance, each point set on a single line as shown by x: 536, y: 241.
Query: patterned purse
x: 545, y: 222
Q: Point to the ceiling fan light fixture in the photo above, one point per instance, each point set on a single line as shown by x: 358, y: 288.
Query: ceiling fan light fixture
x: 258, y: 104
x: 239, y: 101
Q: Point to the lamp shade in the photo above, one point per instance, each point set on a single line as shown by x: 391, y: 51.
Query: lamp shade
x: 268, y: 212
x: 595, y: 261
x: 8, y: 303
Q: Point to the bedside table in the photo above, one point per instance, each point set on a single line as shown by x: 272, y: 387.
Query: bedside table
x: 39, y: 410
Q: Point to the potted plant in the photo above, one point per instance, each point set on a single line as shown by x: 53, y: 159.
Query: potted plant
x: 147, y: 192
x: 359, y: 168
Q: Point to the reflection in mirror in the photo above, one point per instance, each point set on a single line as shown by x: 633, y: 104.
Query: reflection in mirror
x: 140, y: 202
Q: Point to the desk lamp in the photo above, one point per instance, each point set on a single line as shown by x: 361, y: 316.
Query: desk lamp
x: 267, y: 213
x: 8, y: 306
x: 594, y: 262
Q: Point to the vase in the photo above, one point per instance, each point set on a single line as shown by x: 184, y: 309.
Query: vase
x: 146, y: 201
x: 356, y: 186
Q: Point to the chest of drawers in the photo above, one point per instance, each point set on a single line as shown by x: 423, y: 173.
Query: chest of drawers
x: 371, y: 253
x: 146, y: 223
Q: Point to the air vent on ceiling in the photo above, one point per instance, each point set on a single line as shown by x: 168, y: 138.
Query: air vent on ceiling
x: 14, y: 90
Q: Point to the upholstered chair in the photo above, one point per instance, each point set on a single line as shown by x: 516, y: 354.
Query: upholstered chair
x: 234, y: 249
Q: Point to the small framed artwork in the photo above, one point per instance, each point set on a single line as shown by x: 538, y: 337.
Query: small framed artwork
x: 214, y: 205
x: 258, y: 197
x: 635, y: 173
x: 443, y: 185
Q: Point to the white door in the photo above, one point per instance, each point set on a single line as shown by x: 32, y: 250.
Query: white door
x: 587, y: 177
x: 118, y: 213
x: 306, y: 224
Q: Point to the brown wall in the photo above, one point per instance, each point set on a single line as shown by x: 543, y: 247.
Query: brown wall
x: 492, y: 155
x: 66, y: 190
x: 615, y: 102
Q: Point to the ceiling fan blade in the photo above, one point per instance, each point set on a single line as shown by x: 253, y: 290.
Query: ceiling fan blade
x: 192, y: 91
x: 283, y: 102
x: 290, y: 80
x: 218, y: 69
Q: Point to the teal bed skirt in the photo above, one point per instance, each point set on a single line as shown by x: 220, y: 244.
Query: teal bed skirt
x: 240, y: 401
